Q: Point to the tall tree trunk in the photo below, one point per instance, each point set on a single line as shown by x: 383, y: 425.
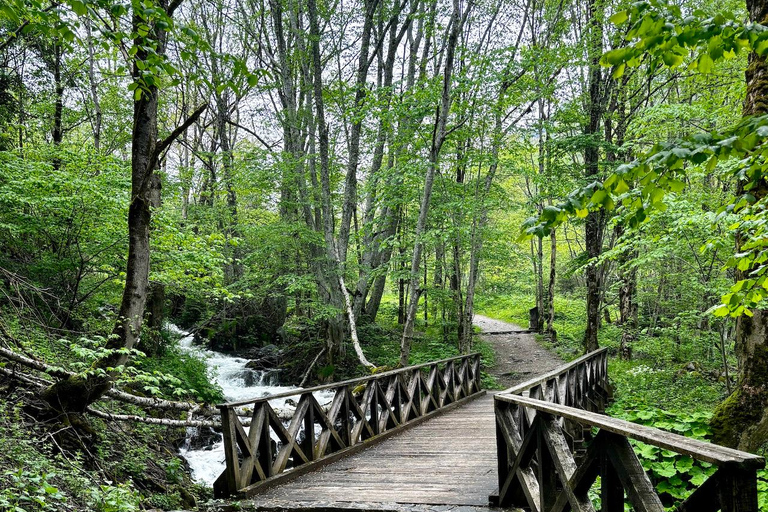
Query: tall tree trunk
x: 627, y: 303
x: 97, y: 116
x: 350, y: 182
x: 76, y: 393
x: 58, y: 107
x: 550, y: 331
x: 593, y: 231
x: 741, y: 421
x: 439, y: 134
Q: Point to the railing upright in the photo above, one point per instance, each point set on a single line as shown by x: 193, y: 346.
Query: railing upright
x: 553, y: 442
x: 274, y: 450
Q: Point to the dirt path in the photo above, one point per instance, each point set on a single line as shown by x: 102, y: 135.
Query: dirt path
x: 518, y: 356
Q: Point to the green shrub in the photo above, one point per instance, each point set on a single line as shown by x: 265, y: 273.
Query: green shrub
x: 190, y: 370
x: 28, y: 491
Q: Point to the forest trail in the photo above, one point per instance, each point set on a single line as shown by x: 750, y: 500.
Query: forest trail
x: 518, y: 356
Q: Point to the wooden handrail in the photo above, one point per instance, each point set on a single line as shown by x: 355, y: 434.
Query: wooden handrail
x: 708, y: 452
x: 363, y: 411
x: 599, y: 355
x: 549, y: 455
x: 349, y: 382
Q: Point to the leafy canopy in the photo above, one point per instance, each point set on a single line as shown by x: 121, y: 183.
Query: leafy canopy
x: 658, y: 35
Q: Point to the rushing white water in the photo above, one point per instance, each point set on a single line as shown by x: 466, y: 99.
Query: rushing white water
x: 238, y: 383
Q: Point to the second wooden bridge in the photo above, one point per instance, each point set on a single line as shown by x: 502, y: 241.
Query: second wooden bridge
x: 540, y: 446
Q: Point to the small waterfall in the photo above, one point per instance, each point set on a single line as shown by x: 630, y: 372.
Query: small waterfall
x: 238, y: 383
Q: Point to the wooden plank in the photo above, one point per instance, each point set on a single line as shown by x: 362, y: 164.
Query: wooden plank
x: 584, y: 476
x: 712, y: 453
x: 640, y: 490
x: 469, y: 427
x: 232, y: 471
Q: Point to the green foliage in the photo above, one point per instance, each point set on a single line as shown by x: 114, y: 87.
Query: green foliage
x: 668, y: 36
x: 28, y: 491
x: 117, y: 498
x: 34, y: 479
x: 675, y: 476
x: 65, y: 224
x: 190, y: 374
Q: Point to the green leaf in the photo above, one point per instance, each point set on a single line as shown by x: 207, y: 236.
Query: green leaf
x: 79, y: 7
x: 705, y: 63
x: 619, y: 18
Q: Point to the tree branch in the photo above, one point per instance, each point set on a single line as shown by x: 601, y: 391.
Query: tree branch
x: 162, y: 145
x: 13, y: 35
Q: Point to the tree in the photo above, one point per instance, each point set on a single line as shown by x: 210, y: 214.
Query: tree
x: 149, y: 31
x: 439, y: 134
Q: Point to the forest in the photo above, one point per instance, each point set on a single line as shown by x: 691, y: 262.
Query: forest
x: 331, y: 189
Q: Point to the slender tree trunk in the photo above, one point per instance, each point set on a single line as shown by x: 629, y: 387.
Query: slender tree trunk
x: 593, y: 235
x: 551, y: 288
x: 440, y: 131
x: 350, y: 181
x: 58, y: 107
x: 97, y: 116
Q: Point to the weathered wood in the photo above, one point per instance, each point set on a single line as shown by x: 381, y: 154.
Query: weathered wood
x: 562, y: 460
x: 708, y: 452
x: 611, y: 491
x: 350, y: 382
x: 447, y: 460
x: 737, y: 490
x: 704, y: 499
x: 640, y: 490
x: 568, y: 400
x: 232, y: 472
x: 595, y: 359
x: 390, y: 400
x: 376, y: 465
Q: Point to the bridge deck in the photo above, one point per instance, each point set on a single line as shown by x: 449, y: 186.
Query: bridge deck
x: 448, y: 461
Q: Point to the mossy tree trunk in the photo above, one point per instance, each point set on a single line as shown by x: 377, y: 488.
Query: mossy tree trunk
x: 741, y: 421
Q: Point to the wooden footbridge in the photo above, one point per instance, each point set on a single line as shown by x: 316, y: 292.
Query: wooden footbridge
x: 427, y: 438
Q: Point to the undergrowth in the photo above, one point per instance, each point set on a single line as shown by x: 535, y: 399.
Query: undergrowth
x: 673, y: 382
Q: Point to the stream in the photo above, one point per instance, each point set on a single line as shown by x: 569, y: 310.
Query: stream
x: 238, y: 383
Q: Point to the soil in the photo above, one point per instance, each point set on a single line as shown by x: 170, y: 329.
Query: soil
x: 519, y: 357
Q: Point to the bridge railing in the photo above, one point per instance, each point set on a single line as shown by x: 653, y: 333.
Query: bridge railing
x: 360, y: 412
x: 552, y: 444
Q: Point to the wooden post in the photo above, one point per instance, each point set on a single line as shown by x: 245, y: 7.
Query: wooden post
x: 308, y: 446
x: 346, y: 426
x: 547, y: 475
x: 502, y: 457
x: 375, y: 407
x: 611, y: 491
x: 232, y: 470
x: 264, y: 444
x: 738, y: 490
